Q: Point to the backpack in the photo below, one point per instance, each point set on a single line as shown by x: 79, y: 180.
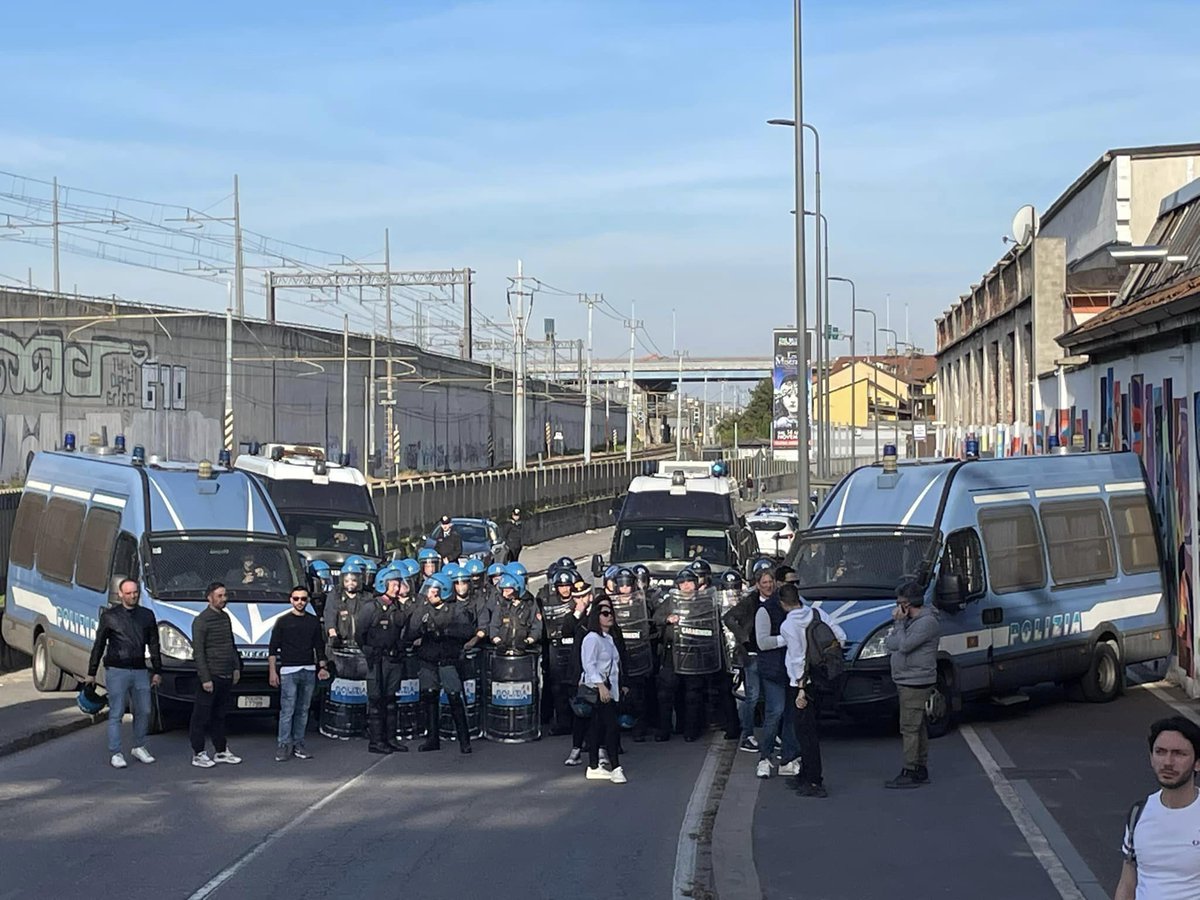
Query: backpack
x: 824, y: 658
x: 1135, y: 813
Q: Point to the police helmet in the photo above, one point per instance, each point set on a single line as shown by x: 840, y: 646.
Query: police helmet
x: 611, y: 572
x: 386, y: 574
x: 731, y: 580
x: 355, y: 560
x: 626, y: 721
x: 564, y: 578
x: 453, y: 571
x: 495, y: 569
x: 409, y: 567
x: 565, y: 562
x: 370, y: 567
x: 625, y: 578
x: 760, y: 566
x: 686, y: 575
x: 642, y: 574
x: 434, y: 582
x: 90, y: 702
x: 319, y: 568
x: 427, y: 554
x: 515, y: 568
x: 509, y: 581
x: 474, y: 567
x: 349, y: 567
x: 701, y: 567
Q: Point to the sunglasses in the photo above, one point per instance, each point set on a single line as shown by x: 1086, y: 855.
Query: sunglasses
x: 606, y: 612
x: 300, y: 597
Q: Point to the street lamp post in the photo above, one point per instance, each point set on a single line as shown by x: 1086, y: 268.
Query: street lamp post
x: 853, y: 366
x: 874, y: 371
x: 680, y: 354
x: 896, y: 392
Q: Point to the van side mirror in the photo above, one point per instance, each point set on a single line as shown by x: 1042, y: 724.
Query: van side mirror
x: 597, y: 565
x: 951, y: 593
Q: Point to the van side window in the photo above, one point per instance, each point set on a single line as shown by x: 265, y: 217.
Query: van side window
x: 25, y: 529
x: 1079, y: 540
x: 96, y: 548
x: 1133, y: 523
x: 125, y: 558
x: 1012, y: 545
x: 59, y: 538
x: 964, y: 558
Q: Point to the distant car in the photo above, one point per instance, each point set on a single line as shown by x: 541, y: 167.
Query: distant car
x: 774, y: 531
x: 480, y: 538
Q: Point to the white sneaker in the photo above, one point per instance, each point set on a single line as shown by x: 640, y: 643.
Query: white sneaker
x: 203, y: 761
x: 575, y: 759
x: 226, y: 757
x: 598, y: 774
x: 118, y: 761
x: 141, y: 754
x: 618, y: 775
x: 764, y: 768
x: 792, y: 768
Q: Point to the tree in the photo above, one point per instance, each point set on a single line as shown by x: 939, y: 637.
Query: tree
x: 754, y: 422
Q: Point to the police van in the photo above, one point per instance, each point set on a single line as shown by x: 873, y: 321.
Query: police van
x: 325, y: 506
x: 1041, y: 568
x: 682, y: 511
x: 90, y: 518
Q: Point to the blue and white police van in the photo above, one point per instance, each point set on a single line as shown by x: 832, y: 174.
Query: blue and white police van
x: 90, y: 518
x: 1041, y: 568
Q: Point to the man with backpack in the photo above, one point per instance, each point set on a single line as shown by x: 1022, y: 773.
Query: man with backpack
x: 913, y: 642
x: 1161, y: 862
x: 814, y: 663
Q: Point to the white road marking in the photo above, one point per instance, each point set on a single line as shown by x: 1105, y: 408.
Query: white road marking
x: 1166, y: 696
x: 689, y: 831
x: 1029, y: 829
x: 258, y: 849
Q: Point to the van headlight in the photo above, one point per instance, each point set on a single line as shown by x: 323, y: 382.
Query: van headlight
x: 873, y: 647
x: 173, y: 643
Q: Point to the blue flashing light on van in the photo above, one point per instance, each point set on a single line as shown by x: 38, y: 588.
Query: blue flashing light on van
x: 89, y: 519
x: 1041, y: 569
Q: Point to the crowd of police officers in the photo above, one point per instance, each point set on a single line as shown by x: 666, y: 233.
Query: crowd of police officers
x: 675, y: 663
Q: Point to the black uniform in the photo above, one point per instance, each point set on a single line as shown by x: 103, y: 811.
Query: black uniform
x: 670, y: 684
x: 512, y: 537
x: 380, y: 627
x: 341, y: 611
x: 448, y: 545
x: 442, y: 631
x: 517, y: 623
x: 562, y: 655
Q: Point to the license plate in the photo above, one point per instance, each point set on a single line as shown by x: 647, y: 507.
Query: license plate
x: 254, y: 702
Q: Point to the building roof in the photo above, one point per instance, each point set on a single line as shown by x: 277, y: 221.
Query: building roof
x: 917, y: 369
x: 1154, y: 293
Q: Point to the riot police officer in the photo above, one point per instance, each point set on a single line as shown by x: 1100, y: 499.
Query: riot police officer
x: 342, y: 609
x: 430, y: 563
x: 631, y: 631
x: 671, y: 684
x: 516, y: 623
x: 703, y: 572
x: 380, y: 624
x: 644, y: 583
x: 476, y: 570
x: 557, y: 609
x: 438, y: 629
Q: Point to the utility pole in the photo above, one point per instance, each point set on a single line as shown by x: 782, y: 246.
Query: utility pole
x: 345, y: 383
x: 587, y: 385
x: 518, y: 369
x: 895, y: 384
x: 229, y: 374
x: 802, y: 430
x: 853, y: 366
x: 390, y: 422
x: 239, y: 275
x: 704, y: 415
x: 632, y: 324
x: 54, y: 226
x: 679, y: 354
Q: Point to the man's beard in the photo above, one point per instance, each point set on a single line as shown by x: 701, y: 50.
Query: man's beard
x: 1185, y: 779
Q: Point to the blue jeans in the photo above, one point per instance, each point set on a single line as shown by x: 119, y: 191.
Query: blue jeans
x: 753, y: 688
x: 121, y: 684
x: 777, y: 719
x: 295, y: 697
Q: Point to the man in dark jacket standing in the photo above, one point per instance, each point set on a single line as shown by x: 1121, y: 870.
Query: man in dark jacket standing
x: 296, y: 660
x: 512, y: 536
x: 447, y: 542
x: 380, y: 625
x: 219, y: 667
x: 913, y: 642
x: 126, y: 631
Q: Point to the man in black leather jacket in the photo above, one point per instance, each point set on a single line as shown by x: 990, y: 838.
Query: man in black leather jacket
x: 125, y: 633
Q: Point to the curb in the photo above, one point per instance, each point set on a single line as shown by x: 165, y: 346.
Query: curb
x: 25, y: 741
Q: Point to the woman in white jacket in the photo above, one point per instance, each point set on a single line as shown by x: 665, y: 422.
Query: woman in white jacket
x: 602, y: 670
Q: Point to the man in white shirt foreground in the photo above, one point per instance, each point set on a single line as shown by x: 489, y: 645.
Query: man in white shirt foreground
x: 1162, y: 834
x: 809, y: 782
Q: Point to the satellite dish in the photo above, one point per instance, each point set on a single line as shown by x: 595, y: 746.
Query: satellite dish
x: 1024, y: 225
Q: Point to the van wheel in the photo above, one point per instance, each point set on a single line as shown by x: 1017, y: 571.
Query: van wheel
x: 47, y: 676
x: 939, y: 708
x: 1104, y: 678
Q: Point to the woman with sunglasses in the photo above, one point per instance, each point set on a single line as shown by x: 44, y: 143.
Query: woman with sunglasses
x: 602, y: 670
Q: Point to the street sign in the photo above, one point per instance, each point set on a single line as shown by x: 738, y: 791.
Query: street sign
x: 919, y: 431
x: 558, y: 435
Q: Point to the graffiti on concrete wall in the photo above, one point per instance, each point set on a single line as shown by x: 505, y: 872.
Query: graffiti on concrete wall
x: 46, y: 364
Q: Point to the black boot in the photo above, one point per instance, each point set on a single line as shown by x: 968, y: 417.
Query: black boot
x: 389, y: 729
x: 458, y: 709
x: 376, y: 743
x: 432, y: 717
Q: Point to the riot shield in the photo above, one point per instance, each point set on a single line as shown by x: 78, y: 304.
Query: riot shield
x: 562, y: 650
x: 697, y: 646
x: 727, y: 600
x: 633, y: 618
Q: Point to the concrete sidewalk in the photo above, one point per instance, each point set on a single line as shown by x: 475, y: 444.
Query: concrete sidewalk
x: 29, y: 717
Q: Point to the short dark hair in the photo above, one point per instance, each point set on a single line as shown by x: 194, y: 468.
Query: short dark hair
x: 212, y: 588
x: 125, y: 581
x: 789, y: 596
x: 299, y: 587
x: 1184, y: 726
x: 911, y: 590
x: 782, y: 573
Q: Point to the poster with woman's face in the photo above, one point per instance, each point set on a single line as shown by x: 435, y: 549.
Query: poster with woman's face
x: 788, y: 399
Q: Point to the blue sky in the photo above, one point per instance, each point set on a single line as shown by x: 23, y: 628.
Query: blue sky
x: 615, y: 146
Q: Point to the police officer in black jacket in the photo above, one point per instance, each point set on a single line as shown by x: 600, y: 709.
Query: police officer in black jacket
x: 447, y: 542
x: 670, y: 683
x: 341, y: 610
x: 380, y: 625
x: 438, y: 630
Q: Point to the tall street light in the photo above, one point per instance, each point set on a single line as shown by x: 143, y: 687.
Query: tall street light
x: 679, y: 406
x: 896, y: 383
x: 822, y: 346
x: 853, y: 368
x: 874, y: 371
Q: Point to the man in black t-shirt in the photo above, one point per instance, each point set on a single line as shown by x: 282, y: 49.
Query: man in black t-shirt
x: 296, y: 661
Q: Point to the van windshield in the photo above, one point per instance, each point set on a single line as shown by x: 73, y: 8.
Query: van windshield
x: 250, y: 570
x: 694, y: 506
x: 651, y: 542
x: 852, y: 561
x: 338, y: 534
